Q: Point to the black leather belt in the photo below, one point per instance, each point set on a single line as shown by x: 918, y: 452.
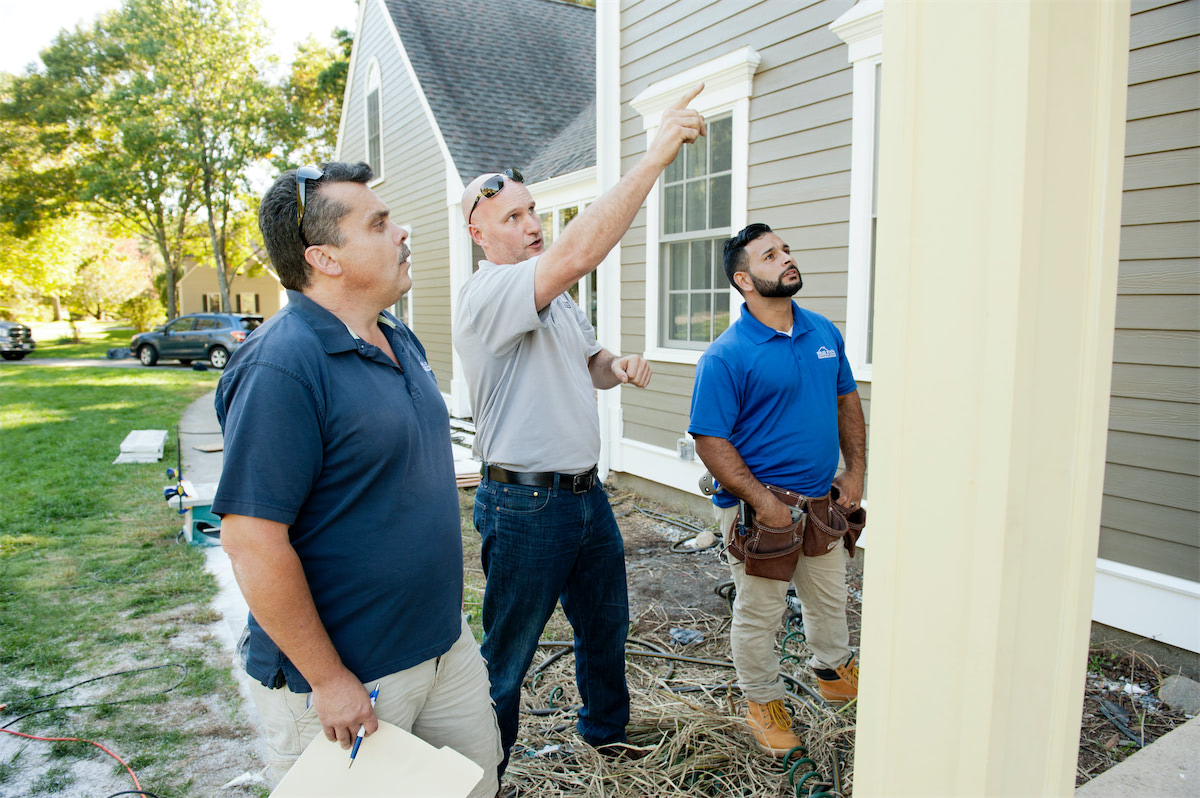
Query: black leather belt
x: 578, y: 483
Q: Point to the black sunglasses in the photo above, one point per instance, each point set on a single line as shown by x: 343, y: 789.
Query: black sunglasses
x: 491, y: 187
x: 302, y: 174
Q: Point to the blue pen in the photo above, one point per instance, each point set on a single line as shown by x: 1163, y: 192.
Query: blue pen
x: 362, y: 730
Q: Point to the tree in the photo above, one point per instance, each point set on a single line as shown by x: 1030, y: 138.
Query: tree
x: 112, y: 271
x: 93, y: 131
x: 307, y: 130
x: 39, y: 265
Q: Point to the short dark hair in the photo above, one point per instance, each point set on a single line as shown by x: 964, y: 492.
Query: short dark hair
x: 277, y: 218
x: 735, y: 249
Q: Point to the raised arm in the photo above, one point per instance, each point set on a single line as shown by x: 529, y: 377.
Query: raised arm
x: 591, y: 235
x: 272, y: 580
x: 727, y: 466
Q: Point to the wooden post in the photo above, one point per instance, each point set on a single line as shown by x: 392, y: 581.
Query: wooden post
x: 1002, y: 136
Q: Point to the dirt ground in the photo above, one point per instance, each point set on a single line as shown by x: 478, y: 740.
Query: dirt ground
x: 678, y: 589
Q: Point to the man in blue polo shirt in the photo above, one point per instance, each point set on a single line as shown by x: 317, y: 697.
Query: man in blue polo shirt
x: 340, y: 512
x: 774, y: 401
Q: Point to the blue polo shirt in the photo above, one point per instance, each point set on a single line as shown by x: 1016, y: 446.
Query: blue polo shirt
x: 324, y: 433
x: 774, y: 397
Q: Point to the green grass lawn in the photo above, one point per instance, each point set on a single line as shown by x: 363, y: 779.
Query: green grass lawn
x: 93, y: 579
x: 54, y: 339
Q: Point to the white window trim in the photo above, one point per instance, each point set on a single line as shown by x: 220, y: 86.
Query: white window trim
x: 728, y: 85
x: 374, y: 81
x: 862, y: 29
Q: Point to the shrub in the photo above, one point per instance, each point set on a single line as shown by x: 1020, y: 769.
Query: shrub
x: 144, y: 311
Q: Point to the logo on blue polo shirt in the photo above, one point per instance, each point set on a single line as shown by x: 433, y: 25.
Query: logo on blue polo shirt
x: 825, y: 352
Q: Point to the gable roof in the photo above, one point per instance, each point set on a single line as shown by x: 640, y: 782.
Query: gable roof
x: 508, y: 81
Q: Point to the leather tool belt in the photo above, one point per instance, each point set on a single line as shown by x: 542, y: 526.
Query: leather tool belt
x: 773, y: 553
x: 577, y: 483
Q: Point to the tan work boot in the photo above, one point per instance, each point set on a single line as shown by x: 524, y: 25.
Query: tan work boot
x: 771, y: 726
x: 839, y: 685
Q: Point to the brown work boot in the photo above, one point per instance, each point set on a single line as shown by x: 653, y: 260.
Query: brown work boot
x: 840, y: 684
x: 771, y: 726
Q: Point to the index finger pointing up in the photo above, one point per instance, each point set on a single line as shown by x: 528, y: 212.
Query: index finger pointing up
x: 687, y: 98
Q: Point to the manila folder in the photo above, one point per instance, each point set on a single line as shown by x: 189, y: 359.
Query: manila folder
x: 391, y: 763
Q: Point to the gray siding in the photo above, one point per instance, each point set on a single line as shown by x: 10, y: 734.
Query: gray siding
x: 799, y: 176
x: 414, y: 181
x: 1151, y: 510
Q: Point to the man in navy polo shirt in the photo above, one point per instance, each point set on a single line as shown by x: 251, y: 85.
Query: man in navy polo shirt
x: 774, y: 401
x: 340, y: 511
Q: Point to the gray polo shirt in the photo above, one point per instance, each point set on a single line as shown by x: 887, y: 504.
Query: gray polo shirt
x: 534, y: 404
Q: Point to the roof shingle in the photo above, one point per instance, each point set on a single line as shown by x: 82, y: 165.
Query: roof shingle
x: 510, y: 82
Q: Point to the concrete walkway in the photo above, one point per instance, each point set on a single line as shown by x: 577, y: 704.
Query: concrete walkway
x: 1168, y: 768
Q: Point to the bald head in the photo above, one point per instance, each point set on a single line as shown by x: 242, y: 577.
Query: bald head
x: 471, y: 193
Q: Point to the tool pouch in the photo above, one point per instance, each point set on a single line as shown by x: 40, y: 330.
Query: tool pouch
x: 856, y: 519
x: 770, y: 552
x: 826, y: 527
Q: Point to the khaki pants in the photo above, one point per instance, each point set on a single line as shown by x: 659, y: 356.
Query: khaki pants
x: 444, y: 701
x: 759, y: 606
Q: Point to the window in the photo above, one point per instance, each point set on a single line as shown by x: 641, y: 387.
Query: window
x: 696, y: 189
x: 862, y: 29
x: 209, y: 323
x: 247, y: 303
x: 373, y: 121
x: 698, y: 203
x: 210, y: 303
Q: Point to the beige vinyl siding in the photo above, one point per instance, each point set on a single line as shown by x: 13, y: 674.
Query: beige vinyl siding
x: 1151, y: 509
x: 799, y: 158
x: 413, y: 185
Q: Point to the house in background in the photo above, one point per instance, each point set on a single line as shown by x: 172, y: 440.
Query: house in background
x: 440, y: 92
x: 200, y: 292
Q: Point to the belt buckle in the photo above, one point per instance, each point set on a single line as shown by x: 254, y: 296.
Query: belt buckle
x: 582, y: 483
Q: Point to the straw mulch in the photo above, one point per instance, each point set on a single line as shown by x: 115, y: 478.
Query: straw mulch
x: 686, y: 724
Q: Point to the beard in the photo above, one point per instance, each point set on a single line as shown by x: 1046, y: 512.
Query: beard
x: 777, y: 288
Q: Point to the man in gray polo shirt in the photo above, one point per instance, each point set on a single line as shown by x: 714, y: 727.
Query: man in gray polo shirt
x: 533, y: 364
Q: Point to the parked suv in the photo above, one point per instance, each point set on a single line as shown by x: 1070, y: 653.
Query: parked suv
x: 16, y: 340
x: 196, y: 336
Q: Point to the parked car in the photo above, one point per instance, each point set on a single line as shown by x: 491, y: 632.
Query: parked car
x: 196, y: 336
x: 16, y: 340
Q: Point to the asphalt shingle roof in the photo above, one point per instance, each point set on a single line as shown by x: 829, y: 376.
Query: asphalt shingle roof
x: 510, y: 82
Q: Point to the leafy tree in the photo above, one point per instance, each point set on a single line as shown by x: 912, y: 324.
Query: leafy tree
x: 39, y: 265
x: 93, y: 131
x: 112, y: 271
x: 307, y: 130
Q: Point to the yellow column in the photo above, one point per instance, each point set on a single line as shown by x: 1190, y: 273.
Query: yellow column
x: 1000, y: 196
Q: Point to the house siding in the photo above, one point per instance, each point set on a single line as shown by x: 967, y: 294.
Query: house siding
x: 1151, y: 510
x: 413, y: 184
x: 799, y: 159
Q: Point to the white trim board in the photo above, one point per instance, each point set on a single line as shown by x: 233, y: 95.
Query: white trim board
x: 1153, y: 605
x: 1136, y: 600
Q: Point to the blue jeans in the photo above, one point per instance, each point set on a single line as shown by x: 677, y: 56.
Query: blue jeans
x: 541, y: 545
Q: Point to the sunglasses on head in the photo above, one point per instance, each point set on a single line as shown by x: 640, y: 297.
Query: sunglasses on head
x: 302, y: 174
x: 491, y: 187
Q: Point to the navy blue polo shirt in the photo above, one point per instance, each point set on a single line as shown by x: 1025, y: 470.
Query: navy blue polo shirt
x: 324, y: 433
x: 774, y: 397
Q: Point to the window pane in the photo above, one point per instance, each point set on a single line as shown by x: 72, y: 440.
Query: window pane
x: 720, y: 143
x: 701, y: 258
x: 720, y: 280
x: 674, y: 171
x: 697, y: 157
x: 720, y: 191
x: 679, y: 267
x: 697, y: 206
x: 547, y: 227
x: 677, y: 320
x: 566, y: 215
x: 720, y: 313
x: 701, y: 317
x: 673, y: 209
